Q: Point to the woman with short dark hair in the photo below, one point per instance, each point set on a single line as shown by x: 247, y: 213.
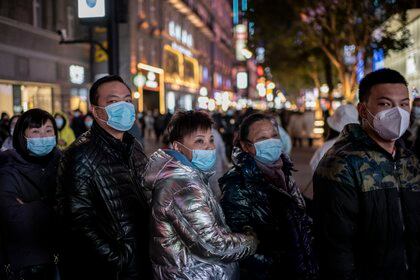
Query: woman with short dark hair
x: 27, y: 190
x: 259, y: 191
x: 189, y: 236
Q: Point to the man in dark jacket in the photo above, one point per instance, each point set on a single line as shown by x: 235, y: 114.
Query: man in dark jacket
x: 367, y: 190
x: 104, y: 215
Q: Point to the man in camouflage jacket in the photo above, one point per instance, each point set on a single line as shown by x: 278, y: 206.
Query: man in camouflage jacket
x: 367, y: 192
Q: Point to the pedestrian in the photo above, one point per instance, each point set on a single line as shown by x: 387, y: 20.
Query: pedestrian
x: 296, y: 128
x: 88, y: 121
x: 4, y: 126
x: 190, y: 239
x: 308, y: 125
x: 221, y: 165
x: 104, y: 216
x: 27, y: 190
x: 77, y: 123
x: 344, y: 115
x: 259, y: 191
x: 367, y: 190
x: 8, y: 142
x: 65, y: 133
x: 149, y: 125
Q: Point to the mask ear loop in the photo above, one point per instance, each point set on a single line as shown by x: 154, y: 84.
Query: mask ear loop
x: 97, y: 116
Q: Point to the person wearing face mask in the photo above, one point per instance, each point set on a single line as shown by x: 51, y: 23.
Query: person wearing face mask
x: 27, y: 191
x: 189, y: 236
x: 367, y: 190
x: 88, y: 121
x: 103, y: 212
x: 65, y: 133
x: 259, y: 191
x: 8, y: 143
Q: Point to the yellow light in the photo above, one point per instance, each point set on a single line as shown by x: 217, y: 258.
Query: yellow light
x: 319, y: 123
x: 212, y: 105
x: 136, y: 95
x: 318, y: 130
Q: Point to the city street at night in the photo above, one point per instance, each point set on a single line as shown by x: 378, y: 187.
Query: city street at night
x: 209, y: 139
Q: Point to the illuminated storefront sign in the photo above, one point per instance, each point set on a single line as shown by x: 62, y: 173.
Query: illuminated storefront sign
x: 240, y: 41
x: 180, y: 70
x: 242, y: 80
x: 182, y: 35
x: 77, y: 74
x: 151, y: 79
x: 91, y: 8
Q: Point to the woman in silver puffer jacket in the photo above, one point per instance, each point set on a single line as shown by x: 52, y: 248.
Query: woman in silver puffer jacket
x: 189, y: 235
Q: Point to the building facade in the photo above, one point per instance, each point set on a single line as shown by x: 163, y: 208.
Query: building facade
x: 407, y: 62
x: 183, y: 51
x: 36, y: 71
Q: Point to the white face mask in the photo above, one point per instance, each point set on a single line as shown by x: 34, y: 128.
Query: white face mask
x: 391, y: 124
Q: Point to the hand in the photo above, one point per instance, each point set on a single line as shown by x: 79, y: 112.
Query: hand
x: 61, y: 142
x: 19, y: 201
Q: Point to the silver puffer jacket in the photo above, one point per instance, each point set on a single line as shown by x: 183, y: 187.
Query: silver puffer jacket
x: 189, y: 235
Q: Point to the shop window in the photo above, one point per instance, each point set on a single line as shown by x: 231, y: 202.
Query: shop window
x: 36, y: 97
x: 6, y: 99
x: 79, y: 99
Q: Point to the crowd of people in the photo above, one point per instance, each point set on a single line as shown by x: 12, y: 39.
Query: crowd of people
x: 80, y: 199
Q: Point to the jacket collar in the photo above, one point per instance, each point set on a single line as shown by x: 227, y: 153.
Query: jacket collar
x: 356, y: 134
x: 126, y: 145
x: 182, y: 159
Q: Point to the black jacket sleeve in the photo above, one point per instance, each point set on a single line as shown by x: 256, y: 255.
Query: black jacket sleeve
x: 236, y: 205
x: 336, y: 208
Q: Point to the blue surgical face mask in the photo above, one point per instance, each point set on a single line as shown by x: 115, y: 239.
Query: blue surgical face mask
x: 268, y: 151
x: 41, y: 146
x: 204, y: 160
x: 89, y: 123
x: 59, y: 122
x: 121, y: 115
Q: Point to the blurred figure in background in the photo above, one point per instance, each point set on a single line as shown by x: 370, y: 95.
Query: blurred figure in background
x: 88, y: 121
x: 65, y: 133
x: 77, y: 123
x: 308, y: 124
x: 149, y: 122
x: 344, y: 115
x: 285, y: 139
x: 8, y: 143
x: 158, y: 125
x: 27, y: 192
x: 296, y: 128
x: 222, y: 163
x: 4, y: 127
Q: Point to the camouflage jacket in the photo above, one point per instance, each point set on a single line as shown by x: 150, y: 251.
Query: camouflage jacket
x: 367, y: 210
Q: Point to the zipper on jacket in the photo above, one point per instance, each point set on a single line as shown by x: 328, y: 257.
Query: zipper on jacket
x: 400, y: 210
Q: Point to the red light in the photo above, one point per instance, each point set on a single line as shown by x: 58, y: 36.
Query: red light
x: 260, y: 71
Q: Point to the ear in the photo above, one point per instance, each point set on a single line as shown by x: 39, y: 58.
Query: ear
x: 361, y: 108
x: 246, y: 147
x: 176, y: 146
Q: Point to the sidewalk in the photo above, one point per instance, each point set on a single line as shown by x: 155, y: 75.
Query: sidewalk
x: 303, y: 176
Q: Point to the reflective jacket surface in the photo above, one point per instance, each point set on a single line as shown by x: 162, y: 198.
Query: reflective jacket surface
x: 189, y: 235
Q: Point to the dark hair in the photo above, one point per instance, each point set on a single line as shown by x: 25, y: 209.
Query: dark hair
x: 184, y: 123
x: 30, y: 119
x: 247, y: 122
x: 93, y: 92
x: 382, y: 76
x: 331, y: 134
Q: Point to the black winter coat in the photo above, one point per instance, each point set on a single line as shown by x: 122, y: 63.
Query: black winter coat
x: 283, y: 229
x: 104, y: 215
x: 27, y: 231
